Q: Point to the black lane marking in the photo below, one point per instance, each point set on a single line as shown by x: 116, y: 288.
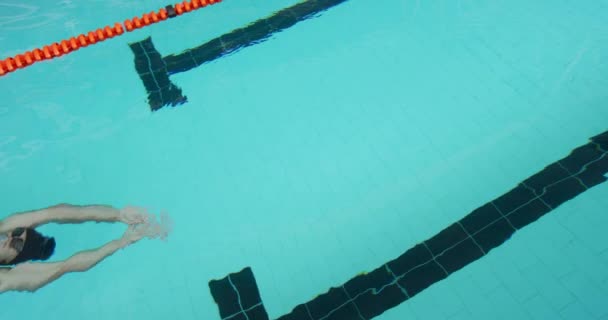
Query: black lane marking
x: 487, y: 227
x: 238, y: 297
x: 154, y: 70
x: 154, y: 74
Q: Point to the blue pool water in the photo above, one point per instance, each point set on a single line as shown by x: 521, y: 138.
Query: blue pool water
x: 325, y: 151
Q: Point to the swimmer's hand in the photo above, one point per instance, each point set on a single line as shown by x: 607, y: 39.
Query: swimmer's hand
x: 136, y: 232
x: 134, y: 215
x: 151, y: 229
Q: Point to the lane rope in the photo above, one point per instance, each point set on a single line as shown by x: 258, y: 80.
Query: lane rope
x: 63, y: 47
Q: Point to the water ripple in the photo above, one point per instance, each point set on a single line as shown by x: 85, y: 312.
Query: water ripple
x: 26, y: 17
x: 7, y: 140
x: 63, y: 129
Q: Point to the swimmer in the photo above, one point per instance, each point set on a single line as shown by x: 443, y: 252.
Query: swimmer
x: 20, y: 243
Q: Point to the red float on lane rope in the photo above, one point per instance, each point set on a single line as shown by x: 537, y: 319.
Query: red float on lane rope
x: 57, y: 49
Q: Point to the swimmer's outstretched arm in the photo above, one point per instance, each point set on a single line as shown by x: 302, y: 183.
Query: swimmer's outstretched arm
x: 31, y: 276
x: 67, y: 213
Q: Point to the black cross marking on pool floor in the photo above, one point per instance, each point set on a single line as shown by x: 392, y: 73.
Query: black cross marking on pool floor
x: 154, y: 70
x: 369, y: 295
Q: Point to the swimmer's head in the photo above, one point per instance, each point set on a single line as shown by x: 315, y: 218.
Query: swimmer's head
x: 24, y: 244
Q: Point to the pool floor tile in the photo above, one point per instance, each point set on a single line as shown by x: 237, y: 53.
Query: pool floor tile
x: 516, y: 283
x: 540, y: 309
x: 553, y: 290
x: 505, y: 305
x: 462, y: 314
x: 484, y: 279
x: 603, y: 257
x: 588, y: 293
x: 585, y: 261
x: 555, y: 263
x: 576, y: 311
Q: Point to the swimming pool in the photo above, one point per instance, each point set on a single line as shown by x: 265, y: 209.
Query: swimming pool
x: 323, y: 157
